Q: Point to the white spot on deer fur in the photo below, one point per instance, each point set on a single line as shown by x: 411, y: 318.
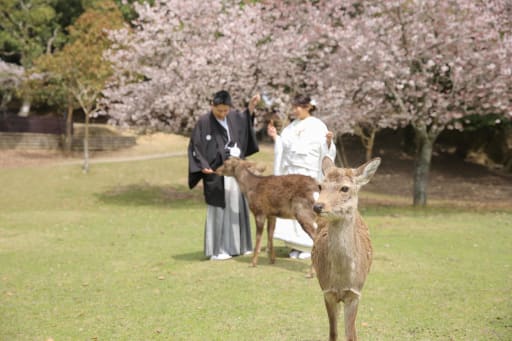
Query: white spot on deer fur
x: 316, y: 195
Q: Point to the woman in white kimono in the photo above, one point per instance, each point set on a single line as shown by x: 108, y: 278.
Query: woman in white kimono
x: 300, y: 150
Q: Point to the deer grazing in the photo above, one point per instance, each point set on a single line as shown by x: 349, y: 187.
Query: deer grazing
x: 342, y: 251
x: 287, y: 196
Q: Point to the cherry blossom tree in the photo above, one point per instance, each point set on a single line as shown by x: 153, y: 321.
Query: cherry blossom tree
x: 11, y: 76
x: 180, y: 53
x: 369, y: 65
x: 427, y: 63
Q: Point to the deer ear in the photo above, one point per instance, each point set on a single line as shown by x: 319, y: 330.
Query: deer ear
x: 256, y: 167
x: 365, y: 172
x: 260, y: 168
x: 327, y: 163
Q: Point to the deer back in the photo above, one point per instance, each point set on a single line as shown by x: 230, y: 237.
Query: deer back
x: 283, y: 196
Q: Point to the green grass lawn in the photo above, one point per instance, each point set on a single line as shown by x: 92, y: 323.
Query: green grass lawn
x: 117, y: 255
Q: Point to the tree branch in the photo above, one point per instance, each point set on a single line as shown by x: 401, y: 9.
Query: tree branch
x: 51, y: 40
x: 398, y: 98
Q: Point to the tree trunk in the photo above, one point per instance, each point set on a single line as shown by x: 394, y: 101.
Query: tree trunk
x: 85, y: 167
x: 25, y: 108
x: 341, y: 156
x: 507, y: 149
x: 68, y: 140
x: 6, y: 98
x: 369, y: 145
x: 424, y: 145
x: 367, y: 135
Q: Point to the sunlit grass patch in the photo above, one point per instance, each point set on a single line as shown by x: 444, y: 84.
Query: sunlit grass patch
x: 117, y: 255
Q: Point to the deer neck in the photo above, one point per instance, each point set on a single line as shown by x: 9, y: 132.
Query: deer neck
x: 343, y: 244
x: 343, y: 259
x: 244, y: 178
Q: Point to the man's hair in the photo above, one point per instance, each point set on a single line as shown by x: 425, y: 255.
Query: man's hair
x: 221, y: 97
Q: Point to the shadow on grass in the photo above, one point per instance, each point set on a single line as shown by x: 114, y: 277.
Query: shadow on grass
x: 190, y: 257
x: 145, y: 194
x: 282, y: 261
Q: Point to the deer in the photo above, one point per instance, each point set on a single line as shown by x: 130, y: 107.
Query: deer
x: 342, y: 250
x: 285, y: 196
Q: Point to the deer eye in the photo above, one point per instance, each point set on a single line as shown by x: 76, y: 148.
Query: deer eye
x: 319, y: 187
x: 344, y: 189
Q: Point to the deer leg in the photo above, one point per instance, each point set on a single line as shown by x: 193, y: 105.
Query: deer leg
x: 333, y: 310
x: 307, y: 222
x: 260, y: 224
x: 312, y: 272
x: 271, y: 225
x: 350, y: 311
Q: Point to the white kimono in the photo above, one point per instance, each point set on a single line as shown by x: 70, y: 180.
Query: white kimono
x: 300, y: 150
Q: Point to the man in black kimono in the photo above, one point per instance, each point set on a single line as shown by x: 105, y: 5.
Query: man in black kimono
x: 219, y: 134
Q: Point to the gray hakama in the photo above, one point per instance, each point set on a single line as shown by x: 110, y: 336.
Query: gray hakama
x: 227, y: 229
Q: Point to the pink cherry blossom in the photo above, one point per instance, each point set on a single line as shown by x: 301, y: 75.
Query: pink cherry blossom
x: 370, y: 65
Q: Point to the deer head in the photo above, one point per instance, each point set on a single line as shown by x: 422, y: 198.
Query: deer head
x: 230, y: 166
x: 340, y: 188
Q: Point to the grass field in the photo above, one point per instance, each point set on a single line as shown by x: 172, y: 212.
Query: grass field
x: 117, y: 255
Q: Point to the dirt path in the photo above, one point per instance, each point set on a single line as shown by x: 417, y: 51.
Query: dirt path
x: 453, y: 181
x: 148, y: 147
x: 115, y: 159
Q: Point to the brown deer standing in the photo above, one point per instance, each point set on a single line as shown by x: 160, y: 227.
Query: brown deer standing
x: 342, y: 251
x: 286, y: 196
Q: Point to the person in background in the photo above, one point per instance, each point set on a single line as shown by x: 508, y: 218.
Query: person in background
x: 222, y: 133
x: 299, y: 150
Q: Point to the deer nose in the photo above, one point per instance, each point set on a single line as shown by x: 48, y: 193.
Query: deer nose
x: 318, y: 208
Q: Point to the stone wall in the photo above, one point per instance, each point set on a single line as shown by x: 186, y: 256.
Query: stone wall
x: 55, y: 142
x: 33, y: 124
